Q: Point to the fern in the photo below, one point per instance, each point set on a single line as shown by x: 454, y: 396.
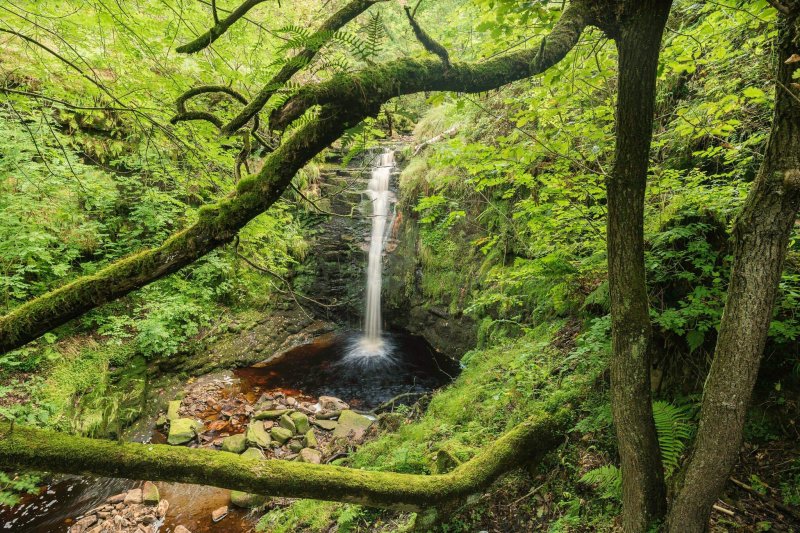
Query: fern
x: 607, y: 480
x: 674, y: 430
x: 375, y: 34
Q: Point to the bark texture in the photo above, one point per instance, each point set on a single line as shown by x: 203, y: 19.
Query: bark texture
x: 348, y: 102
x: 638, y: 40
x: 51, y: 451
x: 761, y: 235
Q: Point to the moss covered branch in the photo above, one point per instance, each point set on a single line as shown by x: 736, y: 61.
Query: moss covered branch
x: 26, y: 448
x: 219, y: 28
x: 428, y: 42
x: 347, y: 13
x: 348, y: 100
x: 408, y: 76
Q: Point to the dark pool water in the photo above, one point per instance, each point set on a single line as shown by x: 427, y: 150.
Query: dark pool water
x: 306, y: 372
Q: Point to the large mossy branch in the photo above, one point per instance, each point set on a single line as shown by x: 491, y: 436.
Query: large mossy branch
x: 352, y: 98
x: 408, y: 76
x: 347, y: 13
x: 26, y: 448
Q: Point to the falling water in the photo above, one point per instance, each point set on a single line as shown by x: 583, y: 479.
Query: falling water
x: 372, y: 344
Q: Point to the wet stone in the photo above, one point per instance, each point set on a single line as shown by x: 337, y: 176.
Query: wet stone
x: 150, y: 494
x: 310, y: 439
x: 133, y: 496
x: 280, y: 435
x: 219, y: 514
x: 234, y: 443
x: 300, y: 422
x: 308, y: 455
x: 352, y: 425
x: 271, y: 414
x: 328, y: 425
x: 257, y: 435
x: 253, y: 453
x: 286, y: 421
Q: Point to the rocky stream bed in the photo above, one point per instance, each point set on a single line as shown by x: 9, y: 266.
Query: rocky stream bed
x: 310, y: 404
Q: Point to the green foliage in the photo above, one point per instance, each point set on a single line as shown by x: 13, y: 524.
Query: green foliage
x: 12, y: 486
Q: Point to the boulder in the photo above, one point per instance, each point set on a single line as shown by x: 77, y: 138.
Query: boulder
x: 352, y: 425
x: 245, y: 500
x: 286, y: 422
x: 300, y: 422
x: 234, y: 443
x: 161, y: 509
x: 134, y: 496
x: 307, y: 455
x: 161, y: 421
x: 256, y: 435
x: 271, y: 414
x: 280, y: 435
x: 84, y: 523
x: 295, y: 445
x: 253, y: 453
x: 172, y: 410
x: 150, y: 495
x: 180, y: 529
x: 328, y: 425
x: 183, y: 430
x: 219, y: 514
x: 331, y: 403
x: 310, y: 440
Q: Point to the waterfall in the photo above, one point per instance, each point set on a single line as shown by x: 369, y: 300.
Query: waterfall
x: 372, y: 343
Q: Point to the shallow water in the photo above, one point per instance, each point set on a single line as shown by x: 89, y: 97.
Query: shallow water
x: 306, y: 372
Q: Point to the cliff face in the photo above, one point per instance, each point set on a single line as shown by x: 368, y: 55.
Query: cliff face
x: 409, y: 306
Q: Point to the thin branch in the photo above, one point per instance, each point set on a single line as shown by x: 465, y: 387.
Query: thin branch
x: 218, y: 29
x: 295, y: 64
x: 427, y: 41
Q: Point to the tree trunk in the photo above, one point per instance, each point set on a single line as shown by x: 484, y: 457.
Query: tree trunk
x: 761, y: 235
x: 643, y: 491
x: 45, y: 450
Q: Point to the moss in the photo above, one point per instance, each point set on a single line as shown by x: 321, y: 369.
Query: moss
x: 22, y: 447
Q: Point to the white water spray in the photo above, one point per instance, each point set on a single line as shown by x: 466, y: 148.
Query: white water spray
x: 372, y: 343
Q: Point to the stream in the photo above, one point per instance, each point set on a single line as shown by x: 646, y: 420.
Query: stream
x: 223, y: 401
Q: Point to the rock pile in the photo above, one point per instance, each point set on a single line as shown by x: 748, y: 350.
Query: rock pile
x: 135, y: 511
x: 275, y: 426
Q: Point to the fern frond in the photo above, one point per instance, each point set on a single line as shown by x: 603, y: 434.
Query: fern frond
x: 607, y: 480
x: 674, y: 430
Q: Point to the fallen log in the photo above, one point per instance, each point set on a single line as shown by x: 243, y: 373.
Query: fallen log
x: 46, y: 450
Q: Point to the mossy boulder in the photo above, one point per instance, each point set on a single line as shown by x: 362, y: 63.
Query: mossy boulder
x: 310, y: 439
x: 351, y: 425
x: 173, y: 409
x: 327, y: 425
x: 300, y: 422
x: 150, y: 495
x: 271, y: 414
x: 280, y: 435
x: 308, y: 455
x: 234, y: 443
x: 295, y: 445
x: 257, y: 435
x: 245, y: 500
x: 183, y: 430
x: 286, y: 422
x: 253, y: 453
